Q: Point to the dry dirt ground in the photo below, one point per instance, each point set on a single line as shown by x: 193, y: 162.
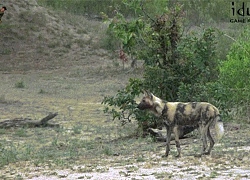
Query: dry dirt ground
x: 53, y: 62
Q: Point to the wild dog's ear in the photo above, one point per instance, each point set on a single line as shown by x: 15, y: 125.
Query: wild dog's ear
x: 145, y: 92
x: 148, y: 94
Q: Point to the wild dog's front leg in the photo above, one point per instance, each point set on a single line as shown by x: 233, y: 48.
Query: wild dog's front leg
x: 177, y: 141
x: 168, y: 138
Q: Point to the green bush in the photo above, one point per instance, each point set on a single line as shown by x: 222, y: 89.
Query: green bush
x: 234, y: 72
x: 177, y: 66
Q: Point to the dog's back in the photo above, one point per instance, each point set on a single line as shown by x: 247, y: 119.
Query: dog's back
x: 190, y: 113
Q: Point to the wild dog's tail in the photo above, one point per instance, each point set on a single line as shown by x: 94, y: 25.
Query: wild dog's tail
x: 219, y: 128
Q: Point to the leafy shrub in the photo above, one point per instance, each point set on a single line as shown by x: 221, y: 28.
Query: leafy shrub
x: 234, y: 72
x: 177, y: 66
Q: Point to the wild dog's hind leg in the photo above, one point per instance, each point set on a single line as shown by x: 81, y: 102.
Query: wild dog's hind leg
x: 204, y: 139
x: 168, y: 138
x: 211, y: 140
x: 203, y: 134
x: 177, y: 141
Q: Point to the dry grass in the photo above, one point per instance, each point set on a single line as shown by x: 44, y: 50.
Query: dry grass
x: 88, y: 144
x: 85, y: 131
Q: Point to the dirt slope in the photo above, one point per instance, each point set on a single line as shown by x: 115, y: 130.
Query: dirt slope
x: 34, y: 37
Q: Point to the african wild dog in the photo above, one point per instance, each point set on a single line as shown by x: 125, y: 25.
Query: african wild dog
x: 174, y: 114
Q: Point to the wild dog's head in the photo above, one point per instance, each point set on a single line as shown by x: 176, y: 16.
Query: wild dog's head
x: 147, y: 101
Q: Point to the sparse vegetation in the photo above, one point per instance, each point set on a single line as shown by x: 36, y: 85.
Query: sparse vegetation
x: 19, y: 84
x: 42, y: 91
x: 2, y: 99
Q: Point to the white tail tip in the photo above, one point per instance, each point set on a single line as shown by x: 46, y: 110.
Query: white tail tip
x: 219, y: 130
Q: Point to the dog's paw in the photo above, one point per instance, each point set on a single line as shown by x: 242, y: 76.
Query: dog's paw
x: 206, y: 153
x: 178, y: 156
x: 197, y: 155
x: 164, y: 156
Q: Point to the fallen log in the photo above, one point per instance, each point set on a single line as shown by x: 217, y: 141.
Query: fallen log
x: 27, y: 122
x: 160, y: 135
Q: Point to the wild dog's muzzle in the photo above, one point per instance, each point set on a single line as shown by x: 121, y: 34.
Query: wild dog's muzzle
x: 143, y: 106
x: 140, y: 107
